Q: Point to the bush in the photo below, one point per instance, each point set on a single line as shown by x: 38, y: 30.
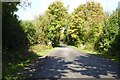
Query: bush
x: 30, y: 32
x: 109, y: 36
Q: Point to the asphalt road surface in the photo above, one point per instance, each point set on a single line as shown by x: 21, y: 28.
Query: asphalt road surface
x: 65, y: 62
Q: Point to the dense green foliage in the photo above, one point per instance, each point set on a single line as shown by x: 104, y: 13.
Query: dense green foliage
x: 56, y: 14
x: 12, y: 31
x: 13, y: 36
x: 48, y: 26
x: 110, y: 31
x: 40, y: 25
x: 88, y: 27
x: 29, y: 31
x: 86, y: 24
x: 17, y: 37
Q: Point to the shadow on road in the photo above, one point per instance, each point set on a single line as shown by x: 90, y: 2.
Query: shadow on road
x: 96, y: 67
x: 80, y: 67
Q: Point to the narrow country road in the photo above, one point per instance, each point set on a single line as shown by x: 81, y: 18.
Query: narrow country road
x: 65, y: 62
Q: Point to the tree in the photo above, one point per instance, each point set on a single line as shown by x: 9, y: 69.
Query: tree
x: 41, y: 24
x: 86, y: 23
x: 30, y: 32
x: 109, y: 38
x: 13, y: 35
x: 56, y: 14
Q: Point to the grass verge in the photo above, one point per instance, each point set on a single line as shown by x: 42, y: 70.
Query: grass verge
x: 108, y: 56
x: 18, y: 62
x: 42, y: 53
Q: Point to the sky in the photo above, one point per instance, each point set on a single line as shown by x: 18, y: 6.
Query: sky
x: 40, y: 6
